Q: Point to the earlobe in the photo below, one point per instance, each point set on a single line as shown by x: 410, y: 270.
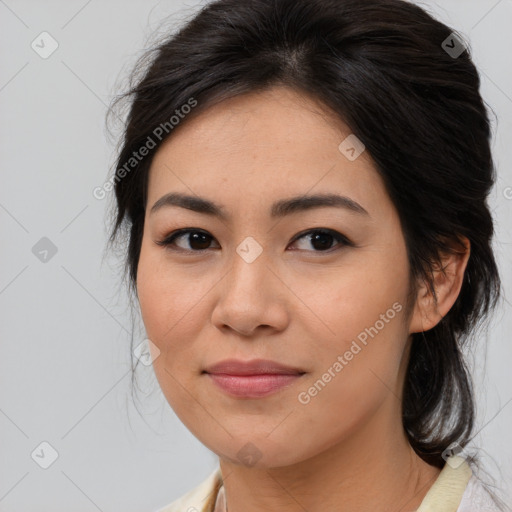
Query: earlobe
x: 432, y: 306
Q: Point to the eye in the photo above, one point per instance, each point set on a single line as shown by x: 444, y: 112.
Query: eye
x: 321, y: 239
x: 199, y: 240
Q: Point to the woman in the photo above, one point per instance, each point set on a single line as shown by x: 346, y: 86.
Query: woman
x: 325, y: 376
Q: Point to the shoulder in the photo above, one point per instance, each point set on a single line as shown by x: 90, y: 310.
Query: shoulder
x: 200, y: 498
x: 476, y: 498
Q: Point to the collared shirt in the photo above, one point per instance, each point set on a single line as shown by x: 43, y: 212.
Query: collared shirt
x: 456, y: 489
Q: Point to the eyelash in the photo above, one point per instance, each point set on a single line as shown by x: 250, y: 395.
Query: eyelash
x: 168, y: 242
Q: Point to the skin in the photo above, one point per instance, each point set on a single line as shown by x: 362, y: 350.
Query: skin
x: 345, y: 450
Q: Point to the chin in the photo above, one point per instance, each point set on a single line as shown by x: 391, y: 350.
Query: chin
x: 257, y: 452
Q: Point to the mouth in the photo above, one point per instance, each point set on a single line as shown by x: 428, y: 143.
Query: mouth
x: 252, y: 379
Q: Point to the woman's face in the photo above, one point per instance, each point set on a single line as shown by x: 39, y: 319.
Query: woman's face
x: 259, y: 281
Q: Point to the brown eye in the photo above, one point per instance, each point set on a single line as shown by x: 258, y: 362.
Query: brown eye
x: 197, y: 240
x: 322, y: 239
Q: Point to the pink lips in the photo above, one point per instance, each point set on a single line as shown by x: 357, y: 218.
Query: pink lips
x: 252, y: 379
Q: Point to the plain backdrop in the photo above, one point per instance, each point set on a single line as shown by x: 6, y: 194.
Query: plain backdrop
x: 65, y: 376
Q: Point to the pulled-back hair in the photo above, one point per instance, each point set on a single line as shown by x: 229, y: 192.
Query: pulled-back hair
x: 383, y: 68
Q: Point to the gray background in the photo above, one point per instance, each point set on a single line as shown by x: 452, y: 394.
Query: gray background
x: 65, y: 323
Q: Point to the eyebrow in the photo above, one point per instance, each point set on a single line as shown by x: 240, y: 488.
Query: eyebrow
x: 280, y: 208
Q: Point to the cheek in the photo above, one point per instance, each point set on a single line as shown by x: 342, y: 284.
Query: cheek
x: 356, y: 319
x: 342, y: 302
x: 167, y: 298
x: 161, y: 309
x: 171, y: 303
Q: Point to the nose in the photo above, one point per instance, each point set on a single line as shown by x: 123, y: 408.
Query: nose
x: 251, y: 298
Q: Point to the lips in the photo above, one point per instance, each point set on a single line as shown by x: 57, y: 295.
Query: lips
x: 253, y: 367
x: 252, y: 379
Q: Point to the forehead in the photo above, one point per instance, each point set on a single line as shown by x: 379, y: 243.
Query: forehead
x: 258, y: 120
x: 274, y: 143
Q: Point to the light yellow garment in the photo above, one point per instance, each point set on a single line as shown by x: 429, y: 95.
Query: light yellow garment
x: 444, y: 495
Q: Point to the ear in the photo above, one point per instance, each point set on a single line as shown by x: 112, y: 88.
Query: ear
x: 447, y: 283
